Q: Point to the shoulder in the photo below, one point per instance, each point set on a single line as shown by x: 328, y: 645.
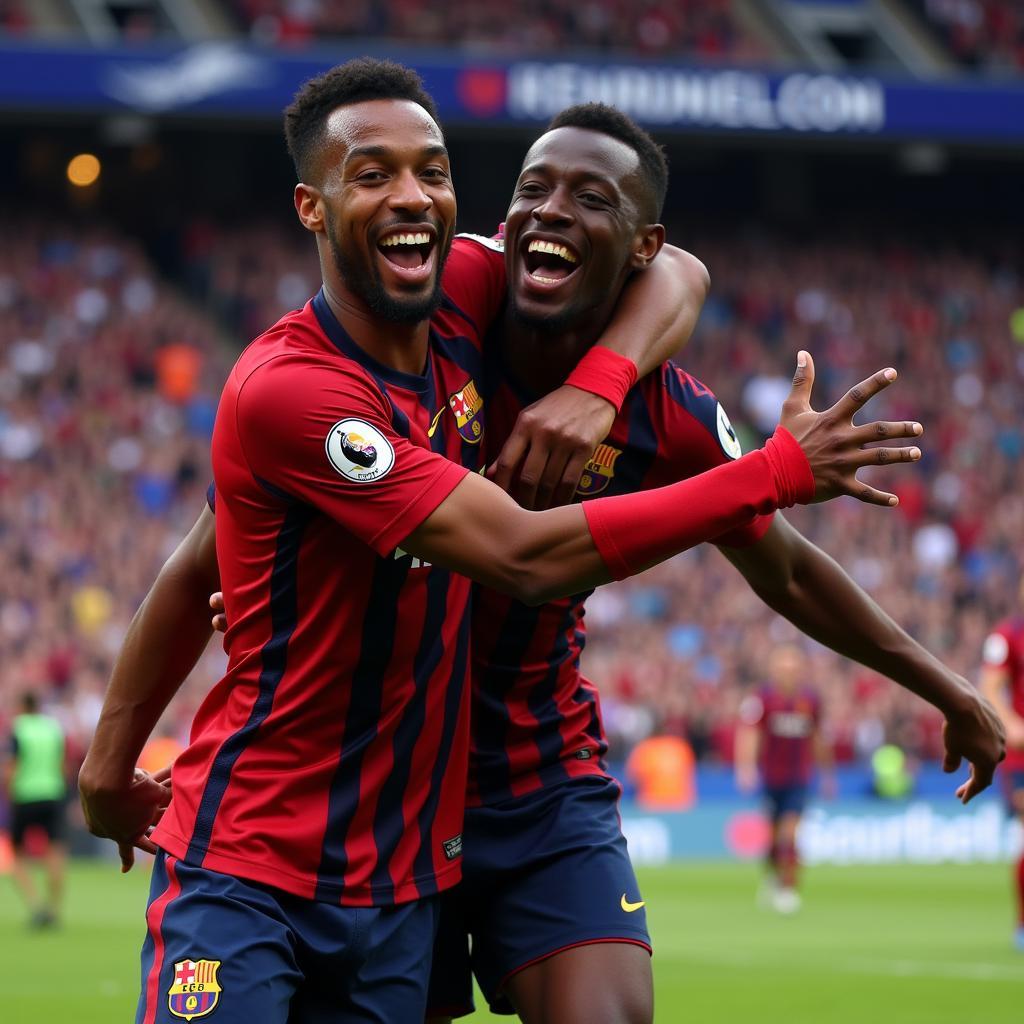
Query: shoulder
x: 686, y: 403
x: 288, y: 390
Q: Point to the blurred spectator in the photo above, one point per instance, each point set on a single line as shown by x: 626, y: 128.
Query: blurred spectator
x: 980, y: 34
x: 661, y: 769
x: 705, y: 29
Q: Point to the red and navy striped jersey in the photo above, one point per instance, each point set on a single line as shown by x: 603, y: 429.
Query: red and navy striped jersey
x: 536, y: 718
x: 1004, y: 648
x: 330, y: 761
x: 788, y: 722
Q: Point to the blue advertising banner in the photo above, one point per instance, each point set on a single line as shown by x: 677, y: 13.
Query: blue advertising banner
x: 839, y: 832
x: 240, y: 80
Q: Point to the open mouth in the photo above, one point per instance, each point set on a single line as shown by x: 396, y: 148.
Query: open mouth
x: 550, y: 262
x: 407, y: 251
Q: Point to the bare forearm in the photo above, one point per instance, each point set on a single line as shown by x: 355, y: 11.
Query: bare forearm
x: 163, y: 643
x: 825, y: 603
x: 537, y: 556
x: 165, y: 639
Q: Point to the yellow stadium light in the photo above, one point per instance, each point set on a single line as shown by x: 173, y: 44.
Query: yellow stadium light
x: 83, y: 170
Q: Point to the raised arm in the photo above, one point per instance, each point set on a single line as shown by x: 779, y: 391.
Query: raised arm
x: 555, y: 436
x: 536, y: 556
x: 801, y: 582
x: 165, y: 639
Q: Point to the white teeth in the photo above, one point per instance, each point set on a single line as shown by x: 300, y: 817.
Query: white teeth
x: 539, y: 245
x: 419, y: 238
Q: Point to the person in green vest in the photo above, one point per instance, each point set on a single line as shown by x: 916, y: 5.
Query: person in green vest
x: 890, y: 776
x: 35, y: 783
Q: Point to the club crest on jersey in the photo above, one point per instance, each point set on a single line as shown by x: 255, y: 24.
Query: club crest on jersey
x: 194, y: 991
x: 359, y: 451
x: 598, y: 472
x: 467, y: 405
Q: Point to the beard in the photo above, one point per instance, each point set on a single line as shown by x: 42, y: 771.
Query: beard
x: 366, y: 283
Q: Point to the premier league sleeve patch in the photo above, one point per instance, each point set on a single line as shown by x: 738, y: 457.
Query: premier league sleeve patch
x: 727, y: 435
x: 195, y: 991
x: 359, y: 452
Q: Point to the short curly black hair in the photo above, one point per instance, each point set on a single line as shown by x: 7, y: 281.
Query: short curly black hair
x: 355, y: 81
x: 600, y: 117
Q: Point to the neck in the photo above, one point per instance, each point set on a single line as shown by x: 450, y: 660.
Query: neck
x: 543, y: 360
x: 401, y: 346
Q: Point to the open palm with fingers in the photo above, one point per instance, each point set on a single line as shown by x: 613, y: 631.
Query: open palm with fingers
x: 835, y: 446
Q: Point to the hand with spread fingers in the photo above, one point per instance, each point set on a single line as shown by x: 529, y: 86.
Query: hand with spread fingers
x: 835, y: 446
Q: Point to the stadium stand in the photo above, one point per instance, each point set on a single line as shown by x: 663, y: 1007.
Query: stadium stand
x: 982, y: 35
x: 705, y: 30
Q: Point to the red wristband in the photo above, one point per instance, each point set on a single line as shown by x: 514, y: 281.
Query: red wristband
x: 634, y: 531
x: 793, y: 477
x: 604, y: 373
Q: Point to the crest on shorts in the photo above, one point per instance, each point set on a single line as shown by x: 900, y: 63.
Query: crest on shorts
x: 598, y: 472
x: 194, y: 992
x: 467, y: 405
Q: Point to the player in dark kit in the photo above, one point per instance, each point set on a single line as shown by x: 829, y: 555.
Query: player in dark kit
x: 780, y: 743
x: 548, y: 895
x: 322, y: 753
x: 1002, y: 681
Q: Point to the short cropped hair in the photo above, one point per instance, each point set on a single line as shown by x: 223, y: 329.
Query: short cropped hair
x: 355, y: 81
x: 600, y: 117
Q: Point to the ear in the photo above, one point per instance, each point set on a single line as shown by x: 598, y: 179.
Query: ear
x: 309, y: 207
x: 647, y: 245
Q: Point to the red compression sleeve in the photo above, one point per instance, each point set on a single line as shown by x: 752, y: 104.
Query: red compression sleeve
x: 634, y: 531
x: 604, y: 373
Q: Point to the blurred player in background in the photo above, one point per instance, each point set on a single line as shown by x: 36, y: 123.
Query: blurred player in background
x: 34, y: 776
x: 779, y: 743
x: 1002, y: 681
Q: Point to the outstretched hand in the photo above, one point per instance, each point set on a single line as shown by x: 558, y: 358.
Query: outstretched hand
x: 835, y: 446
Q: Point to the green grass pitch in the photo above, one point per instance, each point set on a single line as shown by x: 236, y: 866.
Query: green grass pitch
x: 885, y: 945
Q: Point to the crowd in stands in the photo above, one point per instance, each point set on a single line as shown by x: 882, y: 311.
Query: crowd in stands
x: 704, y: 29
x: 109, y: 379
x: 983, y: 35
x: 14, y: 17
x: 108, y: 388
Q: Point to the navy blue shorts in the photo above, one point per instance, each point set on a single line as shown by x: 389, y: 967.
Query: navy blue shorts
x: 258, y: 955
x: 785, y: 800
x: 541, y: 873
